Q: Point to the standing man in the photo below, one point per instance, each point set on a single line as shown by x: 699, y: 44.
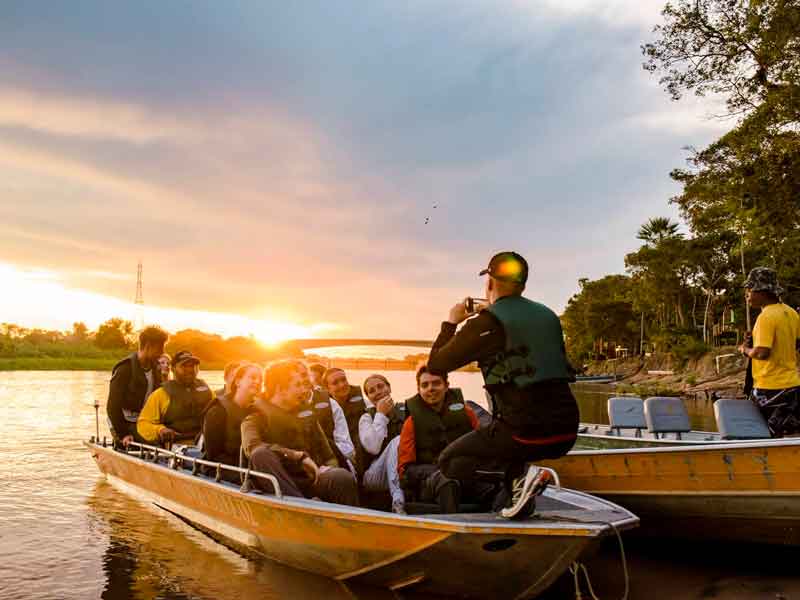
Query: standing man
x: 776, y: 383
x: 519, y: 347
x: 133, y: 379
x: 175, y: 411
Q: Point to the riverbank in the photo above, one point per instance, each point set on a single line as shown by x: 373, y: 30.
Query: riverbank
x: 51, y: 363
x: 721, y: 371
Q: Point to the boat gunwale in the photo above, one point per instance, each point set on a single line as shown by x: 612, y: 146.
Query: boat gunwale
x: 695, y: 447
x: 657, y: 441
x: 543, y: 526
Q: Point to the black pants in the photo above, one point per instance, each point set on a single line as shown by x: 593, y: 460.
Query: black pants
x: 334, y: 485
x: 494, y: 448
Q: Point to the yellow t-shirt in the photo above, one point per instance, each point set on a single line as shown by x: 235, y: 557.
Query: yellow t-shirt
x: 777, y: 328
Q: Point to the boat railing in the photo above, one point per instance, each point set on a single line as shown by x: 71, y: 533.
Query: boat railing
x: 177, y: 459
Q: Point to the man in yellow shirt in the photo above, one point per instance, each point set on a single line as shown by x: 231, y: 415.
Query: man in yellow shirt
x: 175, y: 410
x: 776, y: 382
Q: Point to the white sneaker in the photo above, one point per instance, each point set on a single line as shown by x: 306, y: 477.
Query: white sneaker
x: 524, y: 492
x: 399, y: 507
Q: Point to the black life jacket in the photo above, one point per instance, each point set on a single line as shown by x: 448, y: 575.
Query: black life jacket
x: 433, y: 431
x: 234, y: 415
x: 187, y: 406
x: 294, y: 430
x: 320, y: 405
x: 353, y: 408
x: 136, y: 393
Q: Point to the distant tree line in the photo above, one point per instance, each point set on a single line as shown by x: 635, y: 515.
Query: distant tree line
x: 116, y: 337
x: 740, y: 196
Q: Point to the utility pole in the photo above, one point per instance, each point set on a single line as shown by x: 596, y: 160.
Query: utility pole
x: 139, y: 299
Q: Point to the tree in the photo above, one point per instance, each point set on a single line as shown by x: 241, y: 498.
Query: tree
x: 80, y: 333
x: 114, y: 334
x: 658, y: 229
x: 602, y: 309
x: 744, y: 50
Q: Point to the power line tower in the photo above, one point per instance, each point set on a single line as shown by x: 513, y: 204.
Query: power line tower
x: 139, y: 299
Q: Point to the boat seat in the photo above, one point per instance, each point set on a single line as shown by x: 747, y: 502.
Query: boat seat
x: 739, y: 420
x: 666, y: 414
x: 626, y: 412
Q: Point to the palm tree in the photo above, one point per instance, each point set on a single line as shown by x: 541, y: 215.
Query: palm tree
x: 658, y: 229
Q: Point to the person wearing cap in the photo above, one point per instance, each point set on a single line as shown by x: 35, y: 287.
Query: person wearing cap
x: 174, y: 412
x: 519, y: 347
x: 776, y: 383
x: 133, y: 379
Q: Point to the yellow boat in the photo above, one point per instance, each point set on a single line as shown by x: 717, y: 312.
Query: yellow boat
x: 450, y: 553
x: 742, y: 491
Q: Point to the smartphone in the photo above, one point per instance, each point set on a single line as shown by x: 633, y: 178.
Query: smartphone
x: 474, y: 305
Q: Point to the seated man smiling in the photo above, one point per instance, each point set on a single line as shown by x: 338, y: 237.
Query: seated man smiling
x: 282, y: 437
x: 174, y: 412
x: 437, y: 416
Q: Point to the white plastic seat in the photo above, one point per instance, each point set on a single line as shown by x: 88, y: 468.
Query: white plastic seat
x: 626, y: 412
x: 666, y: 414
x: 739, y: 420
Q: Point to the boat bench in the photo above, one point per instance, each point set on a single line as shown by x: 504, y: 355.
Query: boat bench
x: 626, y: 412
x: 666, y: 414
x: 739, y: 420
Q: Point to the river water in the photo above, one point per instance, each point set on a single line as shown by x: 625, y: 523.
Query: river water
x: 65, y: 533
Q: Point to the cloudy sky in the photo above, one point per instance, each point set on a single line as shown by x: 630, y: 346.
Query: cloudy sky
x: 322, y: 168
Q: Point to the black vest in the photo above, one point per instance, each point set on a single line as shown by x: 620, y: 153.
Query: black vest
x: 136, y: 393
x: 321, y: 406
x: 187, y: 406
x: 433, y: 431
x: 234, y: 415
x: 353, y: 408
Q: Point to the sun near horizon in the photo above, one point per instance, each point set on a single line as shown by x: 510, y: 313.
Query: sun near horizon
x: 40, y: 299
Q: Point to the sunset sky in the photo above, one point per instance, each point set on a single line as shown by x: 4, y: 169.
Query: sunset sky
x: 273, y: 164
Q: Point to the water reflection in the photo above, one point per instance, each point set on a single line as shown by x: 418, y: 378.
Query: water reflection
x: 65, y: 533
x: 153, y: 554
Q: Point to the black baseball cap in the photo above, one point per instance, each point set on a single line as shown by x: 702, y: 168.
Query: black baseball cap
x: 507, y: 266
x: 184, y: 356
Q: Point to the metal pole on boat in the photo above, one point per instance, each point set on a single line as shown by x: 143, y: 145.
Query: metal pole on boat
x: 96, y: 419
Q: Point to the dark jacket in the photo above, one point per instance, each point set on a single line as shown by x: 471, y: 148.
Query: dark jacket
x: 127, y: 394
x: 539, y: 410
x: 222, y: 430
x: 281, y: 431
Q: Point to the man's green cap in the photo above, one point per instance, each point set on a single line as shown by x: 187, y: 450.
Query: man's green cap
x: 507, y: 266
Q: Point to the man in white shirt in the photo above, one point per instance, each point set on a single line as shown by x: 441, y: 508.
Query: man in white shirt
x: 379, y: 433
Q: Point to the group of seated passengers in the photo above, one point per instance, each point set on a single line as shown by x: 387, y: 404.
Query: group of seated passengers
x: 299, y: 425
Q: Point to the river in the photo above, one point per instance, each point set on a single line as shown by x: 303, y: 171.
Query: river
x: 65, y: 533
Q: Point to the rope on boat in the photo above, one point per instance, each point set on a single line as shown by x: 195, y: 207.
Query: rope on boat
x: 576, y: 568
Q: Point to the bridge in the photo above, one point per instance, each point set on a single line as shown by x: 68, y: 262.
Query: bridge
x: 308, y: 344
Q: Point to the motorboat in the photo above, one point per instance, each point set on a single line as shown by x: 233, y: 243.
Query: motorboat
x: 431, y: 553
x: 736, y: 484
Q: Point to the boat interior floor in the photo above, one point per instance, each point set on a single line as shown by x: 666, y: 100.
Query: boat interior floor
x: 555, y: 505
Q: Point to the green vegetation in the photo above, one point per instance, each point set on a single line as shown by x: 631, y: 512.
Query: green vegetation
x: 81, y: 349
x: 740, y: 196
